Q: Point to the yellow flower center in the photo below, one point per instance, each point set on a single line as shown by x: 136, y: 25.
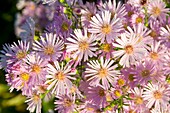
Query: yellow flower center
x: 154, y: 55
x: 103, y: 72
x: 90, y: 109
x: 156, y: 11
x: 138, y: 100
x: 106, y: 29
x: 101, y: 93
x: 117, y: 93
x: 60, y: 76
x: 121, y: 82
x: 65, y: 26
x: 83, y: 46
x: 130, y: 13
x: 157, y: 94
x: 139, y: 20
x: 49, y: 50
x: 36, y: 68
x: 145, y: 73
x: 25, y: 76
x: 129, y: 49
x: 21, y: 54
x: 106, y: 47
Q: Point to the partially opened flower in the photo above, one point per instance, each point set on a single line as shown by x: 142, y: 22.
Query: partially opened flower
x: 34, y: 102
x: 101, y: 72
x: 59, y: 78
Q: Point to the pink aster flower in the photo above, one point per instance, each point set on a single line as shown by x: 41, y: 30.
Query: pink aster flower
x: 156, y: 95
x: 65, y: 104
x: 14, y: 54
x: 140, y: 31
x: 145, y: 70
x: 38, y: 68
x: 114, y: 8
x: 87, y: 11
x: 81, y: 46
x: 105, y: 27
x: 97, y: 96
x: 130, y: 49
x: 103, y: 71
x: 49, y: 47
x: 59, y: 78
x: 137, y: 102
x: 34, y: 102
x: 157, y: 9
x: 156, y: 53
x: 137, y: 18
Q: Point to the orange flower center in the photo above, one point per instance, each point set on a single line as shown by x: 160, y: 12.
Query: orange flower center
x: 156, y: 11
x: 36, y: 68
x: 157, y: 94
x: 154, y: 55
x: 60, y: 76
x: 83, y: 45
x: 129, y: 49
x: 103, y: 72
x: 138, y: 100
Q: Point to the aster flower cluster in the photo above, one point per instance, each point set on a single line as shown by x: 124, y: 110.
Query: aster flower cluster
x: 102, y: 57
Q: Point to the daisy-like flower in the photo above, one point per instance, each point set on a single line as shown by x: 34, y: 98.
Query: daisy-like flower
x: 14, y: 54
x: 105, y: 27
x: 97, y: 96
x: 145, y: 70
x: 114, y: 8
x: 38, y: 68
x: 49, y: 47
x: 81, y: 45
x: 130, y: 49
x: 137, y: 102
x: 156, y: 53
x: 156, y: 95
x: 34, y: 102
x: 101, y: 72
x: 157, y: 9
x: 140, y: 31
x: 87, y: 11
x: 137, y: 18
x: 65, y: 104
x: 59, y: 78
x: 165, y: 33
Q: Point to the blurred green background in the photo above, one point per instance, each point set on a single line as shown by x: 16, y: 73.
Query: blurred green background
x: 9, y: 102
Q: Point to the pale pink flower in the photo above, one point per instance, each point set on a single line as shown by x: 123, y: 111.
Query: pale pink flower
x: 105, y: 27
x: 131, y: 50
x: 50, y: 47
x: 157, y: 9
x: 165, y: 33
x: 103, y: 71
x: 59, y: 78
x: 34, y: 102
x: 81, y: 46
x: 157, y: 95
